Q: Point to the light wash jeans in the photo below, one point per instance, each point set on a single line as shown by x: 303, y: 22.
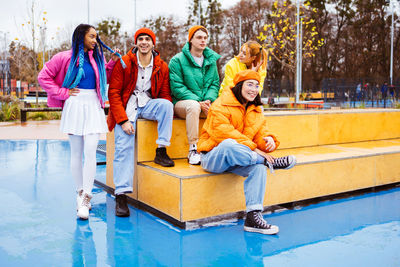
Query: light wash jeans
x: 230, y: 156
x: 158, y: 109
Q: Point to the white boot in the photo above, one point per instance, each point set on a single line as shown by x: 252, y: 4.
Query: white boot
x: 83, y: 210
x: 79, y: 200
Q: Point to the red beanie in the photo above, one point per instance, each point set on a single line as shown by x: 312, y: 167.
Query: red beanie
x: 246, y: 75
x: 193, y: 30
x: 146, y: 31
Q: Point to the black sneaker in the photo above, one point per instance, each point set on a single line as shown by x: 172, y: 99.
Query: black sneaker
x: 121, y: 206
x: 286, y: 163
x: 255, y: 223
x: 162, y: 158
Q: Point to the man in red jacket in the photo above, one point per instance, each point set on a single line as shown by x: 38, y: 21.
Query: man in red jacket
x: 141, y: 90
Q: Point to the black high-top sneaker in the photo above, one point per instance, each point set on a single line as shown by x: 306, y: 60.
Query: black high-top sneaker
x: 285, y: 163
x: 121, y: 206
x: 162, y: 158
x: 255, y: 223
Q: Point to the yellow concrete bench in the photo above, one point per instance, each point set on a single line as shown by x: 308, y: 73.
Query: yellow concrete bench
x: 338, y: 151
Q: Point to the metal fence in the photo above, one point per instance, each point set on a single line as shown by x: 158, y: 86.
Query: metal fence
x: 340, y: 92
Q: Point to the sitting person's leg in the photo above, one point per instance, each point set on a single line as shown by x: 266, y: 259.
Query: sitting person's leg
x: 227, y: 154
x: 162, y: 111
x: 190, y: 110
x: 239, y: 159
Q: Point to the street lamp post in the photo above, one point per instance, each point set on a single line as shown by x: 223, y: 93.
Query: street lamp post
x: 240, y: 32
x: 88, y: 11
x: 391, y: 44
x: 391, y: 40
x: 134, y: 6
x: 298, y: 53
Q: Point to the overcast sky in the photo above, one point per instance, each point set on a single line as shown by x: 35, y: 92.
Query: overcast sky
x: 63, y: 16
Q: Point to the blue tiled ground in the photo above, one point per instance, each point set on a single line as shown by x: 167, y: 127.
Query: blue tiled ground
x: 38, y: 225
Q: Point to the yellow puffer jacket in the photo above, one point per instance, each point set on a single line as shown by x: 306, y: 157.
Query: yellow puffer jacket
x: 227, y: 118
x: 234, y: 66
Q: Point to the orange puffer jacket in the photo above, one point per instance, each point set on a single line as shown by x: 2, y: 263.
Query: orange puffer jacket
x: 227, y: 118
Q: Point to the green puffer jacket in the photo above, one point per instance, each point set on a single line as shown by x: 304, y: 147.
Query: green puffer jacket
x: 189, y: 81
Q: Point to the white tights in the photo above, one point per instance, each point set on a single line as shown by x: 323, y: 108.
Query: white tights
x: 83, y: 146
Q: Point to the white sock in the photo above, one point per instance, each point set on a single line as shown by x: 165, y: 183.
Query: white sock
x: 193, y: 147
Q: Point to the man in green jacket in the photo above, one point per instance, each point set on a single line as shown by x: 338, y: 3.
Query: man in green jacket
x: 194, y: 82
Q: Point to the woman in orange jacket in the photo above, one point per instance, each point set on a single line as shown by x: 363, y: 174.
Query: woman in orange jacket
x: 235, y: 139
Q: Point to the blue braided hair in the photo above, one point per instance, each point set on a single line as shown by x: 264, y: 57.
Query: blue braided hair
x: 102, y: 71
x: 75, y: 73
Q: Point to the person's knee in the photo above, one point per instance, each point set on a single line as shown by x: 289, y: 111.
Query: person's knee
x: 165, y: 103
x: 166, y: 106
x: 261, y: 169
x: 193, y: 107
x: 228, y: 145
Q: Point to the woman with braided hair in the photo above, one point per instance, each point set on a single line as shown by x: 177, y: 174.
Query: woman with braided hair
x: 76, y: 80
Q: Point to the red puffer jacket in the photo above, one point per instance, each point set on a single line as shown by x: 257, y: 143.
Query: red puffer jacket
x: 123, y: 82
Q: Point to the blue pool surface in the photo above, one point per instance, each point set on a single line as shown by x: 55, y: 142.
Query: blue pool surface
x: 38, y: 225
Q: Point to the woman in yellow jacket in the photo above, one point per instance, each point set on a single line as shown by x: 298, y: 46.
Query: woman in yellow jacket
x: 235, y: 139
x: 251, y: 56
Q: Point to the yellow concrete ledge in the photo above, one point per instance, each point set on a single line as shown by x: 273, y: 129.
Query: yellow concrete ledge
x: 337, y: 151
x: 321, y: 171
x: 293, y: 129
x: 147, y: 136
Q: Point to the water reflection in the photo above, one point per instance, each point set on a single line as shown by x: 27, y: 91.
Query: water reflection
x: 83, y: 249
x: 143, y: 239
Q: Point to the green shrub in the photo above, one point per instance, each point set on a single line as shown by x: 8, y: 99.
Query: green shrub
x: 41, y: 116
x: 9, y: 110
x: 54, y: 115
x: 38, y: 116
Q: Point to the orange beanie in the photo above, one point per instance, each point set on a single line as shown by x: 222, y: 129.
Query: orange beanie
x: 146, y: 31
x: 246, y: 75
x: 195, y: 29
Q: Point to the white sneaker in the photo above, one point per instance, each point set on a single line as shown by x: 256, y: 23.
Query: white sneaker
x: 194, y: 157
x: 83, y: 209
x: 79, y: 200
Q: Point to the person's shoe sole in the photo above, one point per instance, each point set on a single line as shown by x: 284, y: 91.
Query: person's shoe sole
x: 90, y: 208
x: 82, y: 217
x: 164, y: 164
x: 194, y: 163
x: 272, y: 231
x: 126, y: 214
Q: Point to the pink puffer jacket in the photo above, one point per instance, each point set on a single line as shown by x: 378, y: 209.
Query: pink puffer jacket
x: 51, y: 77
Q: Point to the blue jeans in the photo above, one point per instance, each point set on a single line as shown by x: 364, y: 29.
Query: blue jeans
x: 158, y: 109
x: 230, y: 156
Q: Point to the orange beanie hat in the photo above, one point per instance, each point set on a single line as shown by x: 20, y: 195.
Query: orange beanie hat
x: 195, y: 29
x: 146, y: 31
x: 246, y: 75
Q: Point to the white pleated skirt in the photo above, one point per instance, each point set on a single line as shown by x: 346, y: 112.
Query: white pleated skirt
x: 82, y: 114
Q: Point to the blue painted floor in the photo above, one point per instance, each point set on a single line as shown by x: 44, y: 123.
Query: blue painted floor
x: 38, y: 225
